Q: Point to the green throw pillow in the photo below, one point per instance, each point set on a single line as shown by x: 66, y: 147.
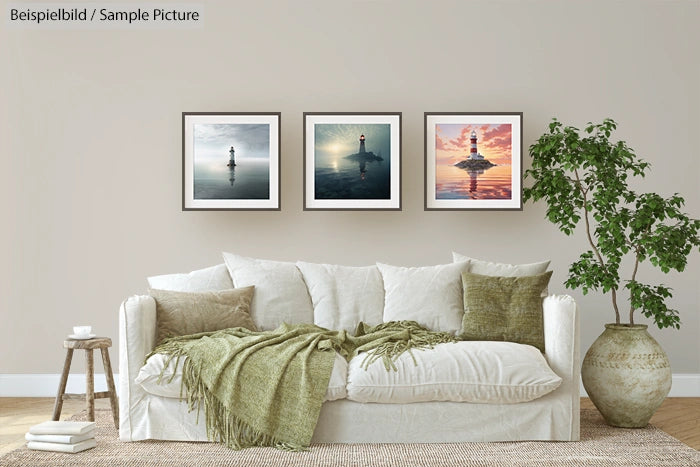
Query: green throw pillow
x: 504, y: 308
x: 183, y: 313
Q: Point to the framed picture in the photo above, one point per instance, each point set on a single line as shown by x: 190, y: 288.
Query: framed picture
x: 352, y: 161
x: 230, y: 161
x: 473, y: 161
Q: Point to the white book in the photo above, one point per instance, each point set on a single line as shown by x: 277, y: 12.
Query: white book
x: 82, y: 446
x: 63, y: 439
x: 66, y: 427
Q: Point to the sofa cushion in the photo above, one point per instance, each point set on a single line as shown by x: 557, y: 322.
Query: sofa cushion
x: 487, y: 268
x: 343, y: 296
x: 201, y: 280
x: 504, y: 308
x: 431, y: 296
x: 149, y: 377
x: 481, y: 372
x: 280, y: 291
x: 182, y: 313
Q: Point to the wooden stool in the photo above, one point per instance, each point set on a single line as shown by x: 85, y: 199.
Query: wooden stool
x: 102, y: 343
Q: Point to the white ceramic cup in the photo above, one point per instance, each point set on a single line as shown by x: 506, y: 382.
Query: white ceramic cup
x: 82, y: 331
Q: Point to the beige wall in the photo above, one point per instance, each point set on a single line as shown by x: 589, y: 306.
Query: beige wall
x: 91, y: 142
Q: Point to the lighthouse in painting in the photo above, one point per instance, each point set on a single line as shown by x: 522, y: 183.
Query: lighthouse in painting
x: 474, y: 160
x: 232, y: 157
x: 362, y: 145
x: 363, y: 156
x: 473, y: 153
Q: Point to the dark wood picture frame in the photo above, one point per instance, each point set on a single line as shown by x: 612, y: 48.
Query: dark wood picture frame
x: 210, y: 171
x: 457, y: 176
x: 335, y: 189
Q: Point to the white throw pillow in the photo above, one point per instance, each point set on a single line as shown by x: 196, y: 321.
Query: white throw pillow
x: 431, y: 296
x: 343, y: 296
x: 202, y: 280
x: 150, y: 374
x: 487, y: 268
x: 280, y: 292
x: 468, y: 371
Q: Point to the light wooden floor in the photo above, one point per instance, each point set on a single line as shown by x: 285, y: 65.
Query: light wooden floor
x: 17, y: 414
x: 679, y: 417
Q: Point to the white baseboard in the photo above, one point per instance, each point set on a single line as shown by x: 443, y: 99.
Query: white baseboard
x: 46, y: 385
x: 13, y: 385
x: 682, y: 385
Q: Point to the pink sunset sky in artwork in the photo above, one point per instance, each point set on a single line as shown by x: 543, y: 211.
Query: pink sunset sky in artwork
x: 493, y: 141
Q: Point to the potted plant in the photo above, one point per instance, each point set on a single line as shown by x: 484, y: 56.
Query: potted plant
x: 582, y: 176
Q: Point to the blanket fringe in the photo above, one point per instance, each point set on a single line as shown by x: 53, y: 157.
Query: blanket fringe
x: 418, y: 338
x: 223, y: 426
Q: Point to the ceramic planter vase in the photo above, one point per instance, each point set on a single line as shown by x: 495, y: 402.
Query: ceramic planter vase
x: 627, y: 375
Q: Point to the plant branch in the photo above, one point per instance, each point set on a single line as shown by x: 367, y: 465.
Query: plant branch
x: 634, y: 275
x: 592, y: 243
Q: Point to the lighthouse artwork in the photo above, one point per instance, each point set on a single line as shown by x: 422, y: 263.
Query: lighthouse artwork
x: 247, y: 178
x: 342, y: 174
x: 473, y: 161
x: 351, y: 161
x: 231, y: 161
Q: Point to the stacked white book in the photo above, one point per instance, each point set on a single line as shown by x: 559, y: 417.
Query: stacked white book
x: 63, y: 436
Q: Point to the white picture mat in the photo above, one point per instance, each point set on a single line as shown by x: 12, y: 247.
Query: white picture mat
x: 190, y: 202
x: 395, y: 163
x: 430, y: 167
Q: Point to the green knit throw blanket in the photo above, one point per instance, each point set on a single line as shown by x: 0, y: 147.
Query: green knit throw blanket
x: 266, y: 388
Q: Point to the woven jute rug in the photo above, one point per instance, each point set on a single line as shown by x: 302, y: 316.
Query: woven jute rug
x: 600, y: 445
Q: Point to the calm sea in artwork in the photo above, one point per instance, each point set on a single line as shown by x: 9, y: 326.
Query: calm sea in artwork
x: 454, y: 183
x: 348, y: 167
x: 215, y: 145
x: 249, y: 179
x: 348, y: 179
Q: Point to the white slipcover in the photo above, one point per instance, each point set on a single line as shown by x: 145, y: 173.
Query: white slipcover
x: 554, y: 416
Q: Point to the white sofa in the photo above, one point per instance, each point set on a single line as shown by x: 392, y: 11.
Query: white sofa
x: 148, y: 413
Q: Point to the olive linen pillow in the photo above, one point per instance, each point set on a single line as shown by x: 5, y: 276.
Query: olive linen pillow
x: 504, y: 308
x: 182, y: 313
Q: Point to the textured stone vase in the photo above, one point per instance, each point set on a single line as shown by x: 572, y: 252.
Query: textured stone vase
x: 627, y: 375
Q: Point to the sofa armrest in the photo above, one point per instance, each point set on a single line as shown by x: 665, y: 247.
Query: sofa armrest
x: 561, y: 336
x: 137, y: 335
x: 562, y: 349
